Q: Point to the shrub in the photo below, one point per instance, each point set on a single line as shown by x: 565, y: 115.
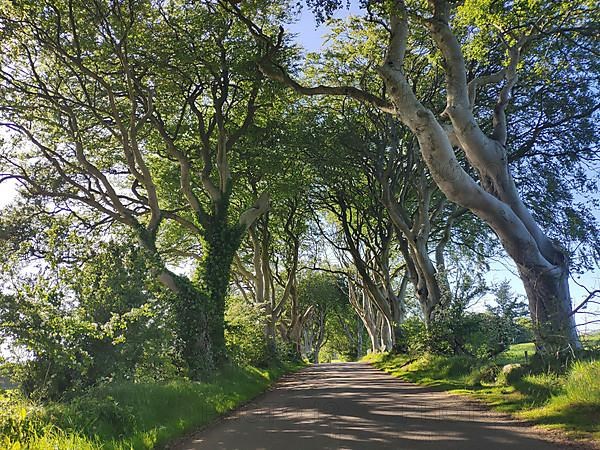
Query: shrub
x: 20, y: 420
x: 487, y: 373
x: 413, y: 337
x: 99, y: 321
x: 245, y: 333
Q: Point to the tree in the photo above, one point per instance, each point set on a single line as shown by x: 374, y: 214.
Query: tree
x: 267, y: 264
x: 322, y: 292
x: 130, y: 113
x: 505, y: 35
x: 372, y: 318
x: 509, y: 307
x: 273, y: 255
x: 83, y: 311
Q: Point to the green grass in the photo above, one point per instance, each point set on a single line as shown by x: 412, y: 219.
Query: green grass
x: 591, y: 340
x: 576, y: 407
x: 569, y: 403
x: 128, y: 415
x: 516, y: 354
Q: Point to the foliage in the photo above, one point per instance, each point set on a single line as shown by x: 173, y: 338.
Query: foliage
x: 161, y: 119
x: 18, y: 420
x: 414, y: 338
x: 147, y: 112
x: 124, y: 415
x: 245, y: 336
x: 330, y: 319
x: 95, y: 321
x: 508, y: 308
x: 458, y: 330
x: 346, y: 337
x: 454, y: 328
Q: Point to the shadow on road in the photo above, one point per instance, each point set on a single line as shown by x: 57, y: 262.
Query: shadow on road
x: 354, y: 406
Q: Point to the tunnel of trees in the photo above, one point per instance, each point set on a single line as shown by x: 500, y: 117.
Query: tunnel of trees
x: 192, y: 188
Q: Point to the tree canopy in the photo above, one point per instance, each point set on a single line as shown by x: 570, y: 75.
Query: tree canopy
x: 190, y: 186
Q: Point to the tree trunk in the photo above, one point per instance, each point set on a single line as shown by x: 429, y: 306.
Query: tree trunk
x: 372, y: 332
x: 189, y: 304
x: 423, y: 276
x: 495, y: 199
x: 369, y: 315
x: 193, y: 328
x: 270, y: 333
x: 318, y: 342
x: 550, y: 306
x: 359, y: 338
x: 388, y: 338
x: 220, y: 245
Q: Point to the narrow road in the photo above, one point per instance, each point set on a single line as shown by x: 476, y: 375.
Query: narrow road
x: 355, y: 406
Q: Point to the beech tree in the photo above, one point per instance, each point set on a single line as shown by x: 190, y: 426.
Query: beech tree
x: 266, y: 269
x: 366, y: 235
x: 267, y: 265
x: 323, y: 293
x: 371, y: 169
x: 371, y: 317
x: 479, y: 46
x: 130, y: 113
x: 421, y: 217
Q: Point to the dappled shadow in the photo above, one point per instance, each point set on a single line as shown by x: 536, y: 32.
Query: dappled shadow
x: 354, y: 406
x: 573, y: 416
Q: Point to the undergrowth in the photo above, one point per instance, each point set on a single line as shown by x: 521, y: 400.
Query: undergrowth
x: 122, y: 416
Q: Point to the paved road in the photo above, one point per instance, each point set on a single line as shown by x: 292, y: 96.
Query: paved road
x: 354, y: 406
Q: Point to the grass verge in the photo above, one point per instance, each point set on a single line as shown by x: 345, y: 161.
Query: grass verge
x: 123, y: 416
x: 569, y: 403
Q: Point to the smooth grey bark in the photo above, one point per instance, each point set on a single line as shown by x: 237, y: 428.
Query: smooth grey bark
x: 374, y: 321
x: 542, y: 265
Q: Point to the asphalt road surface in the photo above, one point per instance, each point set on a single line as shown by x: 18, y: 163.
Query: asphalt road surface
x: 355, y: 406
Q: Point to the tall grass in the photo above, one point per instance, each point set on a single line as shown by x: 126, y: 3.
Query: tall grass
x: 582, y: 385
x: 576, y: 407
x: 516, y: 354
x: 124, y: 416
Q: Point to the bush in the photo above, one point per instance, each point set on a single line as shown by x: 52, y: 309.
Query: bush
x: 245, y: 333
x: 487, y: 373
x: 413, y: 338
x: 102, y: 320
x: 20, y: 420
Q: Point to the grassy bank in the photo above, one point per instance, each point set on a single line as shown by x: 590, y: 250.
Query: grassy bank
x: 569, y: 403
x: 129, y: 416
